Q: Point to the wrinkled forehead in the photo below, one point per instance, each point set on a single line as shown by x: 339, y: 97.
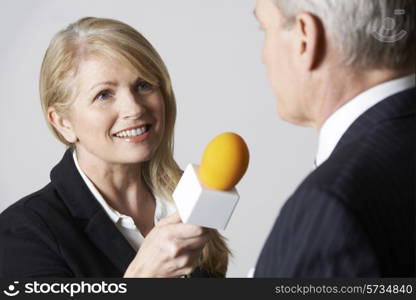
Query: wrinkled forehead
x: 100, y: 67
x: 267, y: 12
x: 260, y: 8
x: 93, y: 67
x: 132, y: 59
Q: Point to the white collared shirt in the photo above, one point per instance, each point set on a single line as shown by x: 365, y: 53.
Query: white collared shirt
x: 125, y: 224
x: 337, y: 124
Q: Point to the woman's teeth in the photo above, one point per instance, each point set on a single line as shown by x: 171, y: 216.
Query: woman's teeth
x: 132, y: 132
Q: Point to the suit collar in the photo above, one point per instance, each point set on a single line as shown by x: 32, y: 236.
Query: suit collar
x: 396, y: 106
x: 82, y: 205
x: 104, y: 234
x: 338, y: 123
x: 72, y: 189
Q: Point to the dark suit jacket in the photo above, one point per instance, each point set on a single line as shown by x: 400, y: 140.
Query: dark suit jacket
x: 354, y: 216
x: 63, y: 231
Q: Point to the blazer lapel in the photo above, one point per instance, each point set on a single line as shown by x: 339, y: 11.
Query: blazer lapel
x: 82, y: 205
x: 102, y: 232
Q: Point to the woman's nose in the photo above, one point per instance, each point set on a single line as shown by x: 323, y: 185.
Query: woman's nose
x: 132, y: 106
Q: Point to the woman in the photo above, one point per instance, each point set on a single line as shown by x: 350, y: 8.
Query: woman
x: 106, y: 94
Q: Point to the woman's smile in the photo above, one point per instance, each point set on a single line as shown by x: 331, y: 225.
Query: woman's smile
x: 135, y: 134
x: 114, y: 96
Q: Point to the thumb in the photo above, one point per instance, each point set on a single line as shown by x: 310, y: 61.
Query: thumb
x: 171, y: 219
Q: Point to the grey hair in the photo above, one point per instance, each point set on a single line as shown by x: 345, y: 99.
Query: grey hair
x: 369, y: 33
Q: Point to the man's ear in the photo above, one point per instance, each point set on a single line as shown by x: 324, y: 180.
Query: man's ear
x: 310, y: 40
x: 62, y: 125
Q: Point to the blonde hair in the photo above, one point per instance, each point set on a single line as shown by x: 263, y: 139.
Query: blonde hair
x: 120, y: 41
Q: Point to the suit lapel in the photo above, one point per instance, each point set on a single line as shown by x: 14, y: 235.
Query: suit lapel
x: 82, y: 205
x: 104, y: 234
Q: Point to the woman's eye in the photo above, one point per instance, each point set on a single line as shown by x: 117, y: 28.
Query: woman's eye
x: 144, y: 87
x: 103, y: 95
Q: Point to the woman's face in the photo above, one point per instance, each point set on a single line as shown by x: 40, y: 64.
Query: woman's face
x: 116, y: 117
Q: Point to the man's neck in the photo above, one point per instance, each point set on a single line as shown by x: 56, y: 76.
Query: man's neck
x: 350, y: 84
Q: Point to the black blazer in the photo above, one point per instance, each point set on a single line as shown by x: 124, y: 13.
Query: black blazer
x: 354, y: 216
x: 63, y: 231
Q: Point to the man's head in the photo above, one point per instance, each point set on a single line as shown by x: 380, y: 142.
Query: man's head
x: 321, y: 53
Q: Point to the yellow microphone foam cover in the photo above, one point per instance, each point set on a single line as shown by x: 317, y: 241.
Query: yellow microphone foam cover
x: 224, y: 162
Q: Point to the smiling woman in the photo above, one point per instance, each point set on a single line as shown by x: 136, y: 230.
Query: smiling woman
x: 111, y: 99
x: 108, y: 210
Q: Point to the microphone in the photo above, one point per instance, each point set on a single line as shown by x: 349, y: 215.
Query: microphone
x: 206, y: 194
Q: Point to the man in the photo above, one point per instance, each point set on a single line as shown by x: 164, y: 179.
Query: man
x: 345, y: 68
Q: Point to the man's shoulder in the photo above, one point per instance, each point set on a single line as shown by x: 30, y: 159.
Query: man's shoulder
x: 377, y: 163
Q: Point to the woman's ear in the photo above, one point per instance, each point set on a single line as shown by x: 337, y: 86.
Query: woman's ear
x: 62, y: 125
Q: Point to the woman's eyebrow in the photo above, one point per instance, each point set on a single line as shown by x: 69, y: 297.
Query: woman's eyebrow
x: 103, y: 83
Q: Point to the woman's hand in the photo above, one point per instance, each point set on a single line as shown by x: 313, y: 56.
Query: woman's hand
x: 171, y: 249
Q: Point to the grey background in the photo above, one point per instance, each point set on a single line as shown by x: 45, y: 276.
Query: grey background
x: 212, y: 50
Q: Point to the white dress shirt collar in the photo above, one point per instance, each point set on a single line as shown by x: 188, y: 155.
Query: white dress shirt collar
x: 162, y: 208
x: 337, y: 124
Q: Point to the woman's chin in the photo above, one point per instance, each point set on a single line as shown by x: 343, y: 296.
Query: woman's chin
x: 134, y: 158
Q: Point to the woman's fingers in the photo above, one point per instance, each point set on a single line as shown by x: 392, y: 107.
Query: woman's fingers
x: 171, y: 219
x: 187, y: 231
x: 186, y: 263
x: 170, y: 249
x: 193, y: 244
x: 177, y: 247
x: 180, y: 230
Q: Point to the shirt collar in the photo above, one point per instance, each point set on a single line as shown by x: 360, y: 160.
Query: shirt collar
x: 336, y: 125
x: 162, y: 209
